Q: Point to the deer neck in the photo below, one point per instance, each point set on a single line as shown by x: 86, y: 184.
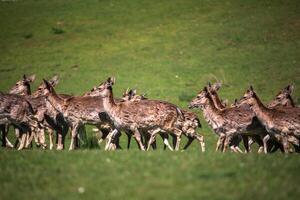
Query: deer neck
x: 217, y: 101
x: 261, y: 112
x: 56, y: 102
x: 109, y: 103
x: 211, y: 114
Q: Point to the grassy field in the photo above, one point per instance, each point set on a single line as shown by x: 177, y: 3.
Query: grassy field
x: 170, y: 50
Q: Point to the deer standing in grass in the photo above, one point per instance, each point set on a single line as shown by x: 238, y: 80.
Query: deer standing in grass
x: 280, y: 123
x: 151, y: 116
x: 227, y: 123
x: 22, y: 87
x: 16, y: 110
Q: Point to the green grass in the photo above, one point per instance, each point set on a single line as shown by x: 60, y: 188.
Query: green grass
x: 170, y: 50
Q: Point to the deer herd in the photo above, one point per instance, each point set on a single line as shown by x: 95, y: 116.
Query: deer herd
x: 33, y: 114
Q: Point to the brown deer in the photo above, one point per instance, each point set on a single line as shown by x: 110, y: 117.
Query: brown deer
x: 228, y: 122
x: 188, y: 125
x: 219, y: 104
x: 38, y: 103
x: 77, y: 111
x: 282, y: 100
x: 16, y: 110
x: 280, y: 123
x: 22, y: 87
x: 151, y: 116
x: 131, y: 95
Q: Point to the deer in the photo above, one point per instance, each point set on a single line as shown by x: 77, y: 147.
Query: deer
x: 152, y: 116
x: 16, y: 110
x: 221, y: 105
x: 131, y: 95
x: 280, y: 123
x: 77, y: 110
x: 22, y: 87
x: 227, y: 123
x: 44, y: 115
x: 52, y: 119
x: 282, y: 100
x: 188, y: 126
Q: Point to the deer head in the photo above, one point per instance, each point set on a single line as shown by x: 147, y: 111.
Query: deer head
x: 22, y: 87
x: 48, y: 88
x: 214, y: 87
x: 200, y: 100
x: 284, y: 97
x: 105, y: 88
x: 128, y: 94
x: 247, y: 98
x: 40, y: 91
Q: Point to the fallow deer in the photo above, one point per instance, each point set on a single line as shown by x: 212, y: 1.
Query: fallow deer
x: 219, y: 104
x: 77, y: 111
x: 16, y: 110
x: 22, y: 87
x: 151, y: 116
x: 280, y: 123
x: 188, y: 124
x: 228, y: 122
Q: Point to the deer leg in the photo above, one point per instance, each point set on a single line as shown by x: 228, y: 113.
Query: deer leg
x: 73, y: 136
x: 200, y: 138
x: 129, y: 139
x: 50, y: 132
x: 165, y: 138
x: 5, y: 140
x: 265, y: 141
x: 220, y: 142
x: 60, y: 139
x: 109, y: 139
x: 227, y: 142
x: 152, y: 137
x: 2, y: 127
x: 138, y: 137
x: 246, y: 143
x: 23, y: 141
x: 18, y: 136
x: 285, y: 143
x: 29, y: 138
x: 35, y: 137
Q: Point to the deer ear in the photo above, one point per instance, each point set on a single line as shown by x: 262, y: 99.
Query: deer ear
x: 24, y: 77
x: 251, y: 88
x: 48, y: 85
x: 290, y: 89
x: 205, y: 89
x: 54, y: 80
x: 31, y: 78
x: 113, y: 80
x: 218, y: 85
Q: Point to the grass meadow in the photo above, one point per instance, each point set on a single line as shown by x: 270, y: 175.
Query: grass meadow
x: 169, y: 50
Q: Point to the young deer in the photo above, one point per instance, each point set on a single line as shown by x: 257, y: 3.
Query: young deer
x: 22, y: 87
x: 227, y: 123
x: 219, y: 104
x: 130, y: 95
x: 38, y: 103
x: 16, y: 110
x: 52, y: 119
x: 77, y: 111
x: 151, y: 116
x: 280, y: 123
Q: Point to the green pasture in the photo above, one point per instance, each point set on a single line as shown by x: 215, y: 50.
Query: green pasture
x: 168, y: 50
